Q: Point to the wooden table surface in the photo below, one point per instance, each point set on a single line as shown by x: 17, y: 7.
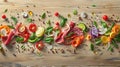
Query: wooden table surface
x: 65, y: 7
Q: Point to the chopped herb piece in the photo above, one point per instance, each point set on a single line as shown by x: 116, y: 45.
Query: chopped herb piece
x: 43, y: 16
x: 75, y: 12
x: 91, y: 47
x: 29, y: 20
x: 93, y: 5
x: 5, y: 10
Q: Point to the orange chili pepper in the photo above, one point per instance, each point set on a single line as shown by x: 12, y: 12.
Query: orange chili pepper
x: 116, y: 28
x: 6, y: 28
x: 77, y: 41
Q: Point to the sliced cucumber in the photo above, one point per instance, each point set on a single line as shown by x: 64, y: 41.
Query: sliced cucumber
x: 82, y: 26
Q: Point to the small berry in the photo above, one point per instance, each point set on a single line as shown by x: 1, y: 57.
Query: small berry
x: 105, y: 17
x: 57, y: 23
x: 56, y: 14
x: 3, y: 16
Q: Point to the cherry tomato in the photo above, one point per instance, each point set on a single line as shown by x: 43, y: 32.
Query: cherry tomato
x: 3, y: 16
x: 39, y: 45
x: 32, y: 27
x: 105, y: 17
x: 56, y: 14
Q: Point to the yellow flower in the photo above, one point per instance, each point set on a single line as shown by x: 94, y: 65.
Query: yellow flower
x: 112, y: 34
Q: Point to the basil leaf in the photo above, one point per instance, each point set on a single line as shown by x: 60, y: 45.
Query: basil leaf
x: 14, y: 19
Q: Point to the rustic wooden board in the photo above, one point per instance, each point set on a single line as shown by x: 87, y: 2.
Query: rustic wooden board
x: 65, y: 7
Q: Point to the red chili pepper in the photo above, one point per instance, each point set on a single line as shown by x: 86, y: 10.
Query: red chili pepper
x: 3, y: 16
x: 56, y: 14
x: 39, y: 45
x: 25, y: 36
x: 105, y: 17
x: 32, y: 27
x: 7, y: 39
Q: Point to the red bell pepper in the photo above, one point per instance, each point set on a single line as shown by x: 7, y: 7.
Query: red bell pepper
x: 7, y: 39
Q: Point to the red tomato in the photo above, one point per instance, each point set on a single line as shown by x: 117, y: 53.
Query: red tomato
x: 3, y: 16
x: 32, y: 27
x: 56, y: 14
x: 39, y: 45
x: 105, y: 17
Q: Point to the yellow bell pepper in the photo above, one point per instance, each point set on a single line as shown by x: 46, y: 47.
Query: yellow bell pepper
x: 40, y: 31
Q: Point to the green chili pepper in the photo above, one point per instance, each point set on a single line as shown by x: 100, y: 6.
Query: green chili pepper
x: 91, y: 47
x: 19, y: 39
x: 14, y: 19
x: 49, y: 30
x: 95, y: 23
x: 33, y: 36
x: 49, y: 39
x: 63, y: 22
x: 43, y: 16
x: 104, y: 24
x: 34, y: 39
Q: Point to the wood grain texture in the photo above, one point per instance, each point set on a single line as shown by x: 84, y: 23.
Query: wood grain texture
x: 65, y: 7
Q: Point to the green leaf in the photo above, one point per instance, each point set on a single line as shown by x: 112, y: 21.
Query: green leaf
x: 14, y: 19
x: 49, y: 30
x: 29, y: 20
x: 110, y: 28
x: 43, y: 16
x: 104, y: 24
x: 63, y: 22
x: 110, y: 48
x: 93, y: 5
x: 49, y: 39
x: 19, y: 39
x: 10, y: 26
x: 91, y: 47
x: 5, y: 10
x: 98, y: 41
x: 95, y: 23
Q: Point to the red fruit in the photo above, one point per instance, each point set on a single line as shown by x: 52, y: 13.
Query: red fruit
x: 32, y: 27
x: 56, y: 14
x: 3, y: 16
x: 57, y: 23
x: 105, y: 17
x: 39, y: 45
